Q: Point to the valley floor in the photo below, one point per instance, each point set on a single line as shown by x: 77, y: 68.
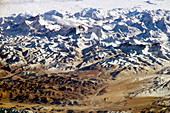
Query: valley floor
x: 117, y: 95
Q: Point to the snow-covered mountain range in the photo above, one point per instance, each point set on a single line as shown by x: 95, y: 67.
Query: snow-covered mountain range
x: 61, y: 42
x: 93, y: 54
x: 8, y: 7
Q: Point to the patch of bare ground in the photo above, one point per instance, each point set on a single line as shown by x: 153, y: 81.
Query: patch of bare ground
x: 137, y: 105
x: 84, y: 90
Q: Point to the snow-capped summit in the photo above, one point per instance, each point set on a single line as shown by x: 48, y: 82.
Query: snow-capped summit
x: 62, y: 42
x: 8, y: 7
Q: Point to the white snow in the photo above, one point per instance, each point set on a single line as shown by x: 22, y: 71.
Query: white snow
x: 124, y: 37
x: 8, y: 7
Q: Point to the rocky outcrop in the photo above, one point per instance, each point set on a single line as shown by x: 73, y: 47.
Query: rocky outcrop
x: 46, y: 88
